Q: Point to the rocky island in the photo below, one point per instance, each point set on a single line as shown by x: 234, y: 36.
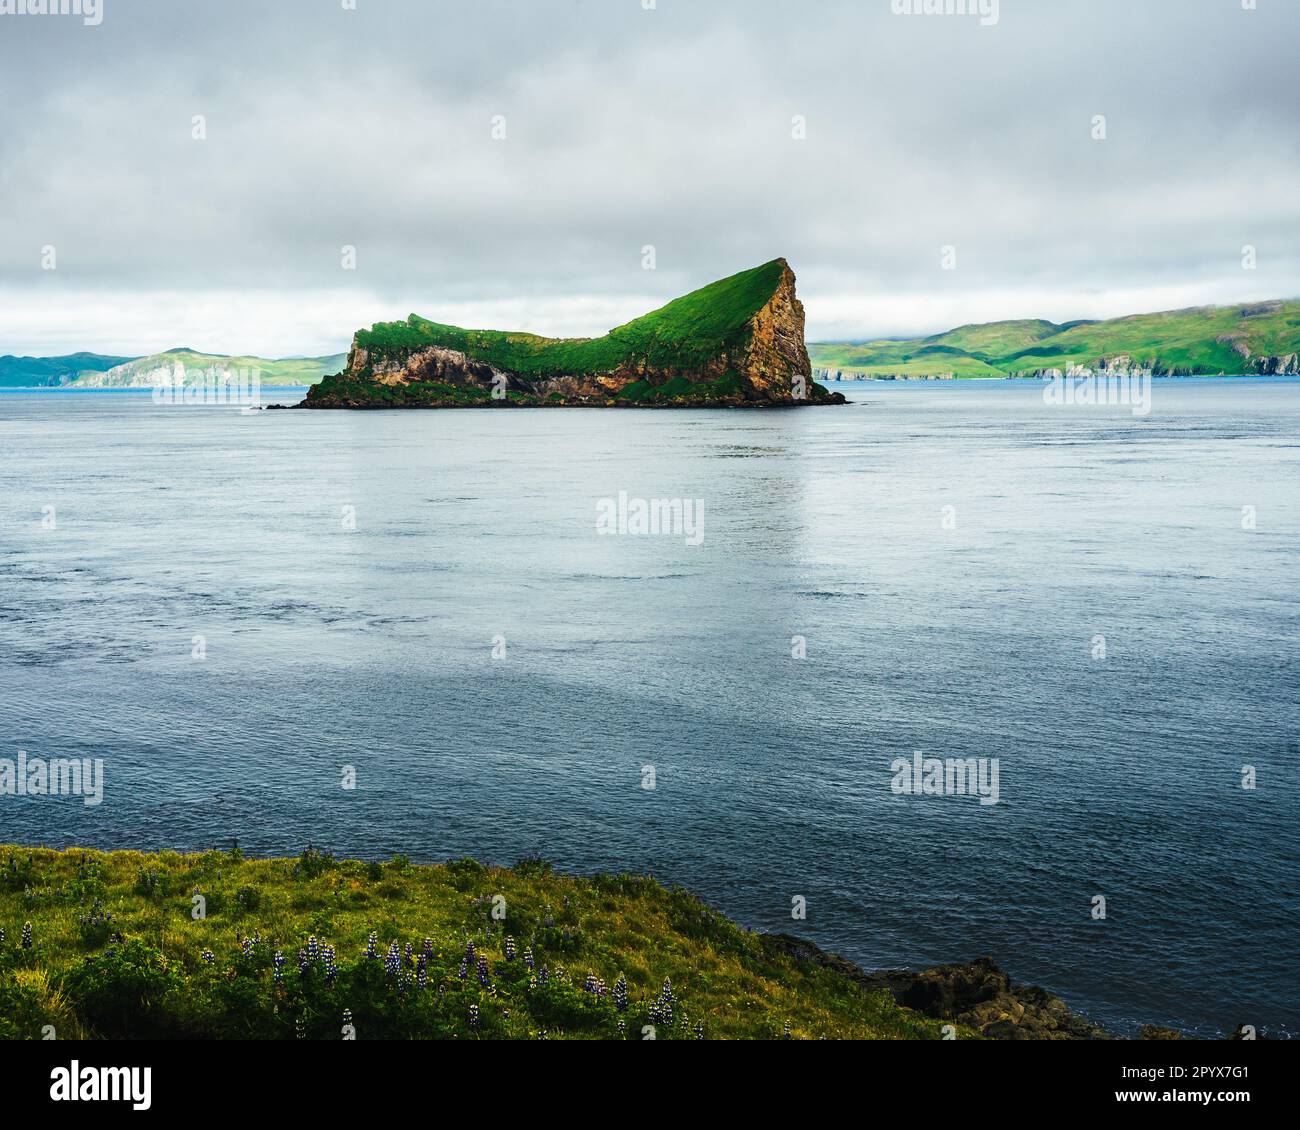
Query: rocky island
x: 735, y: 343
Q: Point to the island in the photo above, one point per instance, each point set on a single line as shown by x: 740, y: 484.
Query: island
x: 736, y: 343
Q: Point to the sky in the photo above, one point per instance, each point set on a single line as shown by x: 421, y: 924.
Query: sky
x: 506, y: 164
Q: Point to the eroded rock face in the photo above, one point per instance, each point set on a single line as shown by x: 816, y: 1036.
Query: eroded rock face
x: 766, y: 364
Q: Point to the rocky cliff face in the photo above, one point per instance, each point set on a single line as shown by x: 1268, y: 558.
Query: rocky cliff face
x: 765, y: 362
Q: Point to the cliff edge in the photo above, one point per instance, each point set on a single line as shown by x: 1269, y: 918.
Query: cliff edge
x: 738, y: 342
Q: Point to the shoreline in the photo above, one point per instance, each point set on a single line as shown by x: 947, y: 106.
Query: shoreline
x: 80, y: 904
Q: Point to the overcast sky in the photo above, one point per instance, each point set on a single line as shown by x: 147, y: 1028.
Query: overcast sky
x: 625, y: 127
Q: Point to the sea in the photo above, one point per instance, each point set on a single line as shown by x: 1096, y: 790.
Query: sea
x: 707, y: 645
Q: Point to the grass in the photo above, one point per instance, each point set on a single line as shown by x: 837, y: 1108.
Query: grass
x: 1201, y: 340
x: 687, y: 332
x: 457, y: 951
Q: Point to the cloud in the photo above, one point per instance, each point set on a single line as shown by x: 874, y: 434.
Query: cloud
x: 625, y: 127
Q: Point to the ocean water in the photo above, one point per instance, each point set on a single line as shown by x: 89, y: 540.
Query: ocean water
x: 367, y: 641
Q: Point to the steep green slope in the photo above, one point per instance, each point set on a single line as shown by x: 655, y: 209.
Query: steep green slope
x: 1261, y: 337
x: 686, y: 331
x: 736, y: 342
x: 113, y: 949
x: 44, y: 372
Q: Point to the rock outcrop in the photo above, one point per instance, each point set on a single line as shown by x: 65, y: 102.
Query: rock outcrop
x: 976, y: 994
x: 736, y: 343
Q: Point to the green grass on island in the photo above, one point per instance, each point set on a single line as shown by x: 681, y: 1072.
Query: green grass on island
x: 686, y: 332
x: 1206, y: 340
x: 108, y: 945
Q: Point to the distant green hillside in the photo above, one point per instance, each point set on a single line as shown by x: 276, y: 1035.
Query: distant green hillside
x: 1261, y: 337
x: 687, y: 331
x: 160, y: 368
x: 42, y: 372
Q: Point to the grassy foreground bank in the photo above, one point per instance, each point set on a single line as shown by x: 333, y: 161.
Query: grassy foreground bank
x: 128, y: 945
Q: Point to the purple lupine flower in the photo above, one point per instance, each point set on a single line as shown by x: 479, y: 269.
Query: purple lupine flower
x: 483, y: 971
x: 463, y: 972
x: 304, y: 966
x: 528, y: 958
x: 545, y: 975
x: 313, y: 951
x: 510, y: 948
x: 407, y: 959
x: 372, y: 945
x: 699, y: 1031
x: 589, y: 985
x: 473, y: 1017
x: 331, y: 969
x: 27, y: 936
x: 422, y: 972
x: 393, y: 962
x: 208, y: 956
x: 620, y: 993
x: 470, y: 953
x: 278, y: 962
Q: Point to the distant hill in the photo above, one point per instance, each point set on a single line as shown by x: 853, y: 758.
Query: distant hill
x: 1251, y: 338
x: 43, y: 372
x: 161, y: 368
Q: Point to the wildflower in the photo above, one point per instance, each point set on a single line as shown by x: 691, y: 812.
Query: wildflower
x: 483, y: 971
x: 620, y: 993
x: 528, y: 958
x: 372, y: 945
x: 699, y: 1031
x: 278, y: 962
x: 208, y: 957
x: 313, y: 951
x: 463, y: 972
x: 304, y: 965
x: 622, y: 1027
x: 27, y: 936
x: 407, y: 960
x: 422, y: 971
x: 510, y: 948
x: 393, y: 962
x: 785, y: 1032
x: 331, y: 969
x: 473, y: 1017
